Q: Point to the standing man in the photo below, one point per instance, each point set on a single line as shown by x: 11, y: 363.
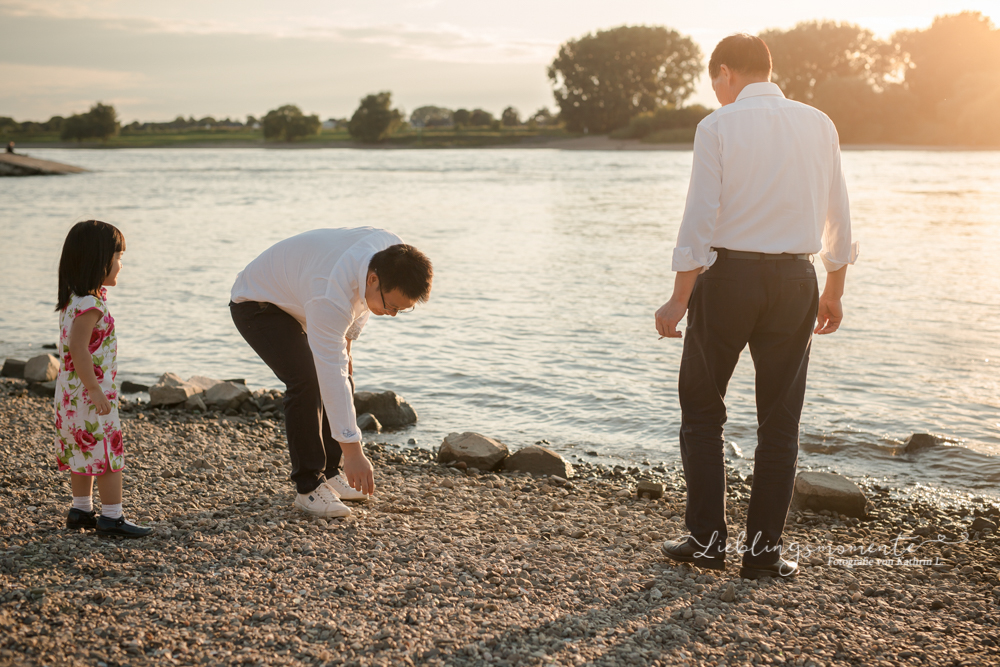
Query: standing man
x: 300, y: 305
x: 766, y: 193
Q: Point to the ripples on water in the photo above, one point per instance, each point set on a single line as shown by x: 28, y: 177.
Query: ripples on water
x: 549, y: 266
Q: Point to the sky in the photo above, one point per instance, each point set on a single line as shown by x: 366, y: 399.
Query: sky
x: 156, y: 59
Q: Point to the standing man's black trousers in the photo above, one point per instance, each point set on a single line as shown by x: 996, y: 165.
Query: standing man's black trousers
x: 280, y: 341
x: 771, y: 305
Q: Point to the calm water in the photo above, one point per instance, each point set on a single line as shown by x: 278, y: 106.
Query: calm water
x: 549, y: 266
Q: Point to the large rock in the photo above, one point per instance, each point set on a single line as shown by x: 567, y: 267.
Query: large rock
x: 43, y: 368
x: 170, y: 389
x: 828, y: 491
x: 202, y: 383
x: 472, y: 449
x: 13, y: 368
x: 539, y: 461
x: 390, y: 410
x: 226, y: 395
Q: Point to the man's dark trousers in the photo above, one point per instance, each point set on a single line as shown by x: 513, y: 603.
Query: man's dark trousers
x: 280, y: 341
x: 771, y: 305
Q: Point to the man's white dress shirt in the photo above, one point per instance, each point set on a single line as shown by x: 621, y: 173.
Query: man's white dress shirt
x: 766, y: 178
x: 319, y: 278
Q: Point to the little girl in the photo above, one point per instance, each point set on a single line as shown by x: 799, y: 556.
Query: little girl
x: 88, y: 431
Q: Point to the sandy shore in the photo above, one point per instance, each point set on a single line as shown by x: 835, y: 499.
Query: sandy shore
x: 445, y: 568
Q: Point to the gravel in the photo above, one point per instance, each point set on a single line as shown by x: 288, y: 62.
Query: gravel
x: 450, y: 567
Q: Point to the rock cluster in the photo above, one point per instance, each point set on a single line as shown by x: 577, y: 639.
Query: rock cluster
x: 451, y: 567
x: 472, y: 450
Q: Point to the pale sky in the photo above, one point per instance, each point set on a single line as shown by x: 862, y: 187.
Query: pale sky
x: 156, y: 59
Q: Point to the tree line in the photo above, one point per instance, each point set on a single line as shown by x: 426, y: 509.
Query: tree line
x: 938, y: 85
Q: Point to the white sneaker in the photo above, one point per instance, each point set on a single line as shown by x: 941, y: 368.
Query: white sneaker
x: 321, y: 502
x: 344, y: 490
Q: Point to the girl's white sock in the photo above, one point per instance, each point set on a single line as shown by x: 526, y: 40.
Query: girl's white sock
x: 111, y: 511
x: 83, y: 503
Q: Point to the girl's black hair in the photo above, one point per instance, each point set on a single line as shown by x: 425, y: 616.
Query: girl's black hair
x: 86, y: 260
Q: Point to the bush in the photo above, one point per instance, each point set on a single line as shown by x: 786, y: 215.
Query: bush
x: 288, y: 123
x: 662, y: 120
x: 100, y: 122
x: 375, y: 120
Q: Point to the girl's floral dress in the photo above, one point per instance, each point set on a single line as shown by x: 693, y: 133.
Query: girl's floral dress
x: 86, y: 442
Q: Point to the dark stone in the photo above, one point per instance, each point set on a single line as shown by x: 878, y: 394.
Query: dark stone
x: 129, y: 387
x: 241, y: 381
x: 43, y: 388
x: 49, y: 346
x: 367, y: 422
x: 980, y: 524
x: 651, y: 490
x: 13, y: 368
x: 919, y: 441
x: 389, y: 409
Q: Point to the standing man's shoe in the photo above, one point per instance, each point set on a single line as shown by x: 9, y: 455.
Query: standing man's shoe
x: 120, y: 527
x: 343, y: 490
x: 79, y: 519
x: 322, y: 502
x: 682, y: 551
x: 782, y: 569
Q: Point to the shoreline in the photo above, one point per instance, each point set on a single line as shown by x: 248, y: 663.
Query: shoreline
x: 592, y: 143
x: 447, y: 567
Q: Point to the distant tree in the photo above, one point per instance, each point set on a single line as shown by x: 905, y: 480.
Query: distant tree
x: 948, y: 54
x: 251, y: 121
x: 815, y: 51
x: 601, y: 80
x: 544, y: 117
x: 288, y: 123
x: 375, y: 119
x: 54, y: 124
x: 480, y: 118
x: 100, y: 122
x: 510, y: 117
x: 8, y: 125
x: 431, y: 116
x: 462, y: 117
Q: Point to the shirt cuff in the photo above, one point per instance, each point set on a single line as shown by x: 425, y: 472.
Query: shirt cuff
x: 833, y: 264
x: 684, y: 260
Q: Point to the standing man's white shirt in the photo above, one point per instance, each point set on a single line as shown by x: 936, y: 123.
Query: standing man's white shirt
x: 319, y: 278
x: 777, y: 204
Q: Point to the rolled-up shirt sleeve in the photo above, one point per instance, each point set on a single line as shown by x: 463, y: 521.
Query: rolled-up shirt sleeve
x: 701, y: 211
x: 326, y: 326
x: 838, y: 250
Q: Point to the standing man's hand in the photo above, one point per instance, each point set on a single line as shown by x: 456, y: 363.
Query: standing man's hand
x: 831, y: 312
x: 669, y: 316
x: 357, y: 468
x: 830, y: 315
x: 672, y: 312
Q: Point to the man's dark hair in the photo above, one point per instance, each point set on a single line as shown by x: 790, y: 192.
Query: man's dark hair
x: 87, y: 256
x: 405, y: 268
x: 741, y: 53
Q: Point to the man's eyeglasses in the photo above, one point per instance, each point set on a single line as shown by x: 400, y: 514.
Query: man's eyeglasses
x: 390, y: 309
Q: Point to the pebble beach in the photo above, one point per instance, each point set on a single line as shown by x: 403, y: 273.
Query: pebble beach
x: 445, y: 566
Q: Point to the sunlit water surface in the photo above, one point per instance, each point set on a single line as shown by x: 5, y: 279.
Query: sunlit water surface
x: 549, y: 266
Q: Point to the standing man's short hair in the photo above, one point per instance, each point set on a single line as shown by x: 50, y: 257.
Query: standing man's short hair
x: 741, y: 53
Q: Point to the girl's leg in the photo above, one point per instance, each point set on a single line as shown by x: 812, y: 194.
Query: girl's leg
x: 83, y: 485
x: 109, y: 486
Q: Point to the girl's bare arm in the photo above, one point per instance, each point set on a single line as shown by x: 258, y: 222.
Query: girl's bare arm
x: 79, y: 339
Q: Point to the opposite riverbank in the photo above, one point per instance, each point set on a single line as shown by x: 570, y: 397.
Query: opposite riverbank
x: 445, y: 567
x: 587, y: 143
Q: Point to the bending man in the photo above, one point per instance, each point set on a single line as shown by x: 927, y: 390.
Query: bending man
x: 300, y: 305
x: 766, y: 192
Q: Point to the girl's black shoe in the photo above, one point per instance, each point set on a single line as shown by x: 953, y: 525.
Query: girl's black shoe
x: 80, y: 519
x: 120, y: 528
